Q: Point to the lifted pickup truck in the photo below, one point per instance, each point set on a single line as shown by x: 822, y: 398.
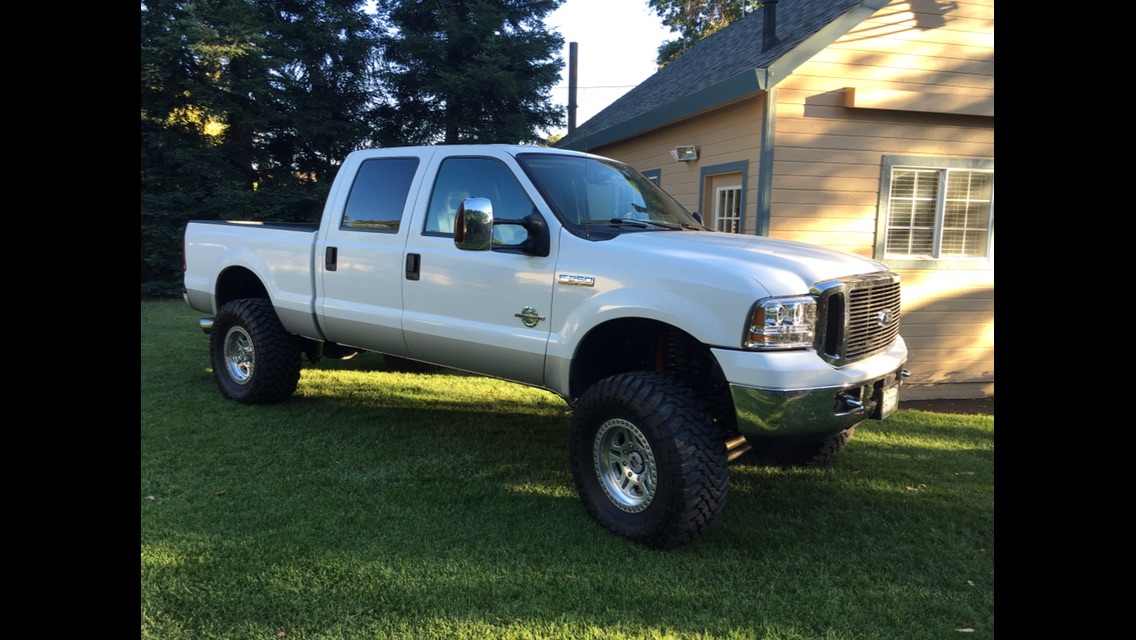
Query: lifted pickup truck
x: 677, y: 347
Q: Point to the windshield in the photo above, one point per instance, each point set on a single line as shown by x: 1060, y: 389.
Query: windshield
x: 591, y: 194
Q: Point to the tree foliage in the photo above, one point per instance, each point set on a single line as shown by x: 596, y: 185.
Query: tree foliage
x: 694, y: 20
x: 468, y: 71
x: 246, y: 107
x: 249, y: 106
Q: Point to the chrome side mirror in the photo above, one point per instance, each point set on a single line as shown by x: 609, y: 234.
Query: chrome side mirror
x: 473, y: 225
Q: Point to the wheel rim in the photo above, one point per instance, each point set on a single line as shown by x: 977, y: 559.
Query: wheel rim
x: 240, y: 360
x: 625, y: 465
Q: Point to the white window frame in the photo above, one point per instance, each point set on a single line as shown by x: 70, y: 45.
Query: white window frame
x: 942, y: 168
x: 735, y: 216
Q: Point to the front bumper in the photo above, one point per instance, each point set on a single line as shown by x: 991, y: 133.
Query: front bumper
x: 811, y: 413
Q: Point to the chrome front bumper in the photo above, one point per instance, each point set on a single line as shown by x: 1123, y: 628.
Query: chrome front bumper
x: 811, y: 413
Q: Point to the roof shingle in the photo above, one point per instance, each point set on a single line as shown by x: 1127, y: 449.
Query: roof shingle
x: 721, y: 57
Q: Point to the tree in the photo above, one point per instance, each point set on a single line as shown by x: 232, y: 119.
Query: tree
x: 468, y: 71
x: 247, y: 108
x: 694, y: 20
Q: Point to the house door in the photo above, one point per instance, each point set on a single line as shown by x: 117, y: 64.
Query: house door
x: 727, y: 209
x: 724, y: 193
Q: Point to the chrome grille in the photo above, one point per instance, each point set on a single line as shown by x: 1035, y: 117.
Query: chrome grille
x: 857, y: 317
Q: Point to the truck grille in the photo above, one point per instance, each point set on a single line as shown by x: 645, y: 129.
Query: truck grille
x: 858, y: 316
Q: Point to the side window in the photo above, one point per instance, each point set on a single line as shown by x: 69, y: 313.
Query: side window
x: 461, y: 178
x: 378, y: 195
x: 936, y: 212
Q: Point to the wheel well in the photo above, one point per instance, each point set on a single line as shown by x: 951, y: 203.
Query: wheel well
x: 235, y: 283
x: 637, y: 344
x: 238, y: 282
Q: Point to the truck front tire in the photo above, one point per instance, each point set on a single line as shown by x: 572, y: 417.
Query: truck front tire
x: 647, y: 460
x: 255, y: 360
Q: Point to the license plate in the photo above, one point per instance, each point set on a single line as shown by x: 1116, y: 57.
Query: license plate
x: 890, y: 400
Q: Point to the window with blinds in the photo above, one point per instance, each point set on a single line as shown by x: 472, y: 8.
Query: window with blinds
x: 939, y: 213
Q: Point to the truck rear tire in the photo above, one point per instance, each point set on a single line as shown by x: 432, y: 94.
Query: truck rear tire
x: 647, y: 460
x: 255, y: 360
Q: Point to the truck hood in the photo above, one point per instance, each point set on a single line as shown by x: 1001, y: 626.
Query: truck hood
x: 782, y: 267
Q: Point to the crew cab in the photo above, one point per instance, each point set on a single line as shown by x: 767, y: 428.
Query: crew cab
x: 678, y: 348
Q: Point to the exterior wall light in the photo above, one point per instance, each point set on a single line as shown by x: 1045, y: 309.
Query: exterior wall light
x: 685, y: 153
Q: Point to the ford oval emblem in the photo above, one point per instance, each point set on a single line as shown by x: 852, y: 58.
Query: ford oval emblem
x: 883, y: 318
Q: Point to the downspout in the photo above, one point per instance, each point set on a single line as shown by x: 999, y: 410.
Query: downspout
x: 769, y: 40
x: 765, y: 161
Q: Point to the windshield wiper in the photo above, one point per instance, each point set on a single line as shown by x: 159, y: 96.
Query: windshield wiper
x: 665, y: 225
x: 628, y: 222
x: 615, y: 222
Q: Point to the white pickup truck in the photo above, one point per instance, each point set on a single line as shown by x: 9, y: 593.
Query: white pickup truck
x: 678, y: 348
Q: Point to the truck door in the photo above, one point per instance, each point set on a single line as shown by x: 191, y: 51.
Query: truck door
x: 360, y: 263
x: 483, y: 311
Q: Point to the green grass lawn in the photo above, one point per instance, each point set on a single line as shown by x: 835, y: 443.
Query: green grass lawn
x: 380, y: 504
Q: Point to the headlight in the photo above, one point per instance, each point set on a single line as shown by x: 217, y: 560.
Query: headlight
x: 781, y: 323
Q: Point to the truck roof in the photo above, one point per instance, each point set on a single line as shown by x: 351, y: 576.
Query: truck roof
x: 461, y: 149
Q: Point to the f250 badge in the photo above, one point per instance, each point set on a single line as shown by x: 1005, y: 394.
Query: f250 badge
x: 576, y: 281
x: 529, y: 317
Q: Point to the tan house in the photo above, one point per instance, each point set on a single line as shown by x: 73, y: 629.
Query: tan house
x: 862, y: 125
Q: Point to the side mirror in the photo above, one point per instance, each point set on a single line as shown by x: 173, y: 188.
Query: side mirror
x: 697, y: 217
x: 473, y: 229
x: 473, y: 225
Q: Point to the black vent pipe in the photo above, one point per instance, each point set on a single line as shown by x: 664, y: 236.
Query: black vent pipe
x: 769, y: 37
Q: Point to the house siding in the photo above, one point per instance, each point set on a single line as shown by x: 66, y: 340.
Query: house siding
x: 916, y: 79
x: 828, y: 158
x: 948, y: 323
x: 724, y: 136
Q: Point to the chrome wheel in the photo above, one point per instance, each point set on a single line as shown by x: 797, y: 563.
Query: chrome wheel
x: 647, y: 459
x: 625, y: 465
x: 240, y: 357
x: 255, y: 360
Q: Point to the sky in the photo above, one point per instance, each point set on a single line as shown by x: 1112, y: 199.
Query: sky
x: 617, y: 42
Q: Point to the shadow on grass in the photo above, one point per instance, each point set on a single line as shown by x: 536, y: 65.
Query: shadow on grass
x: 394, y: 516
x: 376, y: 502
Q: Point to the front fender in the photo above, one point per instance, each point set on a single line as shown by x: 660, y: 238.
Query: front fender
x: 706, y: 314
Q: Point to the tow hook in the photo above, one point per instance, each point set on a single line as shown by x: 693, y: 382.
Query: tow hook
x: 849, y: 403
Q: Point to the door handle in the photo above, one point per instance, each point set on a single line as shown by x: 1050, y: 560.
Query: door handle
x: 330, y: 258
x: 413, y: 266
